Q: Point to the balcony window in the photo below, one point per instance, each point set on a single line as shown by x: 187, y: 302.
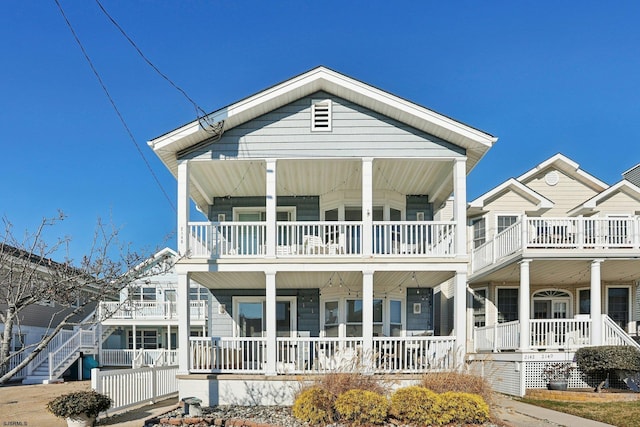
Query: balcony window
x: 505, y: 221
x: 147, y: 339
x: 479, y: 231
x: 143, y: 294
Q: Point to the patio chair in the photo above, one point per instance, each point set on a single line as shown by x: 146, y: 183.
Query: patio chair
x: 313, y: 245
x: 339, y: 247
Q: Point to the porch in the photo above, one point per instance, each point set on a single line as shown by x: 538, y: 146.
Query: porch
x: 309, y: 239
x: 609, y: 235
x: 550, y: 335
x: 110, y: 312
x: 320, y: 355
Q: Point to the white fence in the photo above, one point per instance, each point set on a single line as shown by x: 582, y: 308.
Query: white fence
x: 129, y: 387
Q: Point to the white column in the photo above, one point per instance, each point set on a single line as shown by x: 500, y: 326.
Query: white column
x: 596, y: 303
x: 271, y: 323
x: 184, y: 323
x: 183, y: 207
x: 271, y: 208
x: 168, y: 346
x: 367, y: 313
x: 460, y: 204
x: 524, y: 313
x: 367, y: 205
x: 460, y: 312
x: 209, y: 311
x: 133, y: 332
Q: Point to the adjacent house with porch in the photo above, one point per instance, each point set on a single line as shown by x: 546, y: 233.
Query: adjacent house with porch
x: 554, y: 267
x: 321, y: 242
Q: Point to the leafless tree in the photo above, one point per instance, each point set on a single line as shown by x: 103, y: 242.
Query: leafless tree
x: 29, y: 276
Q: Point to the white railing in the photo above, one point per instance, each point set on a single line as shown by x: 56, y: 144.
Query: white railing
x: 129, y: 387
x: 60, y: 338
x: 142, y: 357
x: 149, y: 310
x: 613, y: 334
x: 426, y: 238
x: 60, y: 358
x: 503, y: 336
x: 14, y: 360
x: 321, y: 238
x: 110, y: 357
x: 320, y: 355
x: 245, y: 355
x: 218, y: 239
x: 559, y: 233
x: 559, y: 333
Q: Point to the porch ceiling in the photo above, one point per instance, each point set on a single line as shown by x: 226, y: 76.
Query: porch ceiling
x: 315, y: 177
x: 382, y: 281
x: 566, y: 271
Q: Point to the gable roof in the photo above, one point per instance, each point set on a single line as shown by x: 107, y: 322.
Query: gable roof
x: 475, y: 142
x: 511, y: 184
x: 590, y: 205
x: 567, y: 166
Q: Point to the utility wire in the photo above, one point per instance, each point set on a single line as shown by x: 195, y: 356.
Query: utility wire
x: 199, y: 111
x: 113, y: 104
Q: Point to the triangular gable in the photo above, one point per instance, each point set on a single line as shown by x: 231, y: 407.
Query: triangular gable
x: 569, y: 167
x: 592, y: 204
x: 475, y: 142
x: 512, y: 185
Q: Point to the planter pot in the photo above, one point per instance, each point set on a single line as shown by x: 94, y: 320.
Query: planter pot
x: 80, y: 420
x: 558, y: 385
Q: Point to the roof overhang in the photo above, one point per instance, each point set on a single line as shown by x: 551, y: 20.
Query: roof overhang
x: 592, y: 204
x: 569, y: 167
x: 475, y: 142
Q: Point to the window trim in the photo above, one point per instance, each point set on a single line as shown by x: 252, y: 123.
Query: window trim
x: 497, y: 299
x: 497, y: 216
x: 486, y: 298
x: 629, y: 289
x: 472, y: 223
x: 237, y: 300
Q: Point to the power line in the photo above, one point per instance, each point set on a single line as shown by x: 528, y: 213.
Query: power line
x: 113, y: 104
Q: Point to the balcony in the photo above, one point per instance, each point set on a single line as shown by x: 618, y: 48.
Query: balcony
x: 311, y: 239
x: 608, y: 234
x: 148, y: 310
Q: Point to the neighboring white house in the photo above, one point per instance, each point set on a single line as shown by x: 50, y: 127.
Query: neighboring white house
x: 320, y: 243
x: 554, y: 267
x: 147, y: 310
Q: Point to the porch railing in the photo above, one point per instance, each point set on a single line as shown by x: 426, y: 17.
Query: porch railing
x: 138, y: 358
x: 322, y: 238
x: 323, y: 354
x: 613, y: 334
x: 559, y: 333
x: 150, y: 310
x: 503, y: 336
x: 559, y: 233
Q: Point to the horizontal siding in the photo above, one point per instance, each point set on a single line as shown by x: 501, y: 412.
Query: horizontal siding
x: 286, y: 132
x: 566, y: 194
x: 307, y: 207
x: 619, y: 203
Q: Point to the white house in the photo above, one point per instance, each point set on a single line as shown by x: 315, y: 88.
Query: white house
x: 554, y: 267
x: 320, y: 243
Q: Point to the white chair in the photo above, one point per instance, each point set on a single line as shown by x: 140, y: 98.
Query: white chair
x: 313, y: 245
x: 339, y: 247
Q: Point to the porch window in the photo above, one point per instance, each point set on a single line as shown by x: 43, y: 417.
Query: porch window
x: 147, y: 339
x: 354, y: 317
x: 618, y: 305
x: 505, y: 221
x: 479, y: 307
x: 395, y: 318
x: 331, y: 320
x: 507, y: 304
x: 198, y: 294
x: 251, y: 314
x: 143, y: 294
x: 584, y: 301
x: 479, y: 232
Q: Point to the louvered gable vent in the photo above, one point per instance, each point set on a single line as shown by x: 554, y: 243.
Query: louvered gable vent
x: 321, y: 115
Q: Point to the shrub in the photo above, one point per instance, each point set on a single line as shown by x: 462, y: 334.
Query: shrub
x: 339, y: 382
x: 90, y: 403
x: 415, y: 405
x: 603, y: 359
x: 463, y: 408
x: 362, y: 407
x: 314, y: 405
x: 442, y: 382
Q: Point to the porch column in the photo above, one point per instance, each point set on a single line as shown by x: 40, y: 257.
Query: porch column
x: 524, y: 312
x: 367, y: 313
x: 134, y: 332
x: 168, y: 346
x: 367, y: 205
x: 271, y: 356
x: 460, y: 312
x: 183, y: 207
x: 460, y: 204
x: 184, y: 323
x: 271, y: 232
x: 596, y: 303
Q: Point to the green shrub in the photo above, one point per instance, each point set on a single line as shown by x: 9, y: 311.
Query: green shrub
x: 415, y: 405
x: 314, y: 406
x: 603, y: 359
x: 465, y: 408
x: 362, y: 407
x: 79, y: 402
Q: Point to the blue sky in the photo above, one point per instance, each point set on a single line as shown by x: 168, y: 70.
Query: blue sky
x: 544, y: 77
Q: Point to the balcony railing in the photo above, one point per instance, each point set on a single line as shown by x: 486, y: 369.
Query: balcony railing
x: 322, y: 238
x: 149, y: 310
x: 306, y: 355
x: 559, y: 233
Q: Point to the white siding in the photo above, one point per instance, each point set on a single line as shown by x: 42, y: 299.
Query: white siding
x: 566, y: 194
